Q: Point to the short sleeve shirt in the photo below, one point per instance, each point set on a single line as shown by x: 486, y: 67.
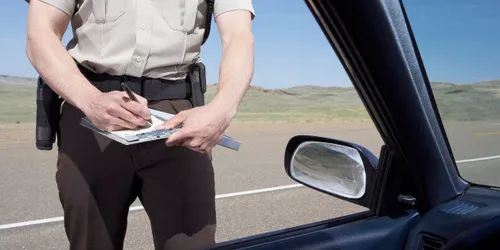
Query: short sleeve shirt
x: 157, y: 39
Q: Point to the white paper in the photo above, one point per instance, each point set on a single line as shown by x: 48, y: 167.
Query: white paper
x: 133, y: 132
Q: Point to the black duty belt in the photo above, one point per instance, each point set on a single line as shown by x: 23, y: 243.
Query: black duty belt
x: 151, y: 89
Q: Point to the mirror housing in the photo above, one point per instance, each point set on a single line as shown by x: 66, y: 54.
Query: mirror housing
x: 341, y: 169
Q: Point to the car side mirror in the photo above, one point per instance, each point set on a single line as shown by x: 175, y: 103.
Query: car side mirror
x: 338, y: 168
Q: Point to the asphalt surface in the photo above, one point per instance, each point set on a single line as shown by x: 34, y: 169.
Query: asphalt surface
x: 28, y: 190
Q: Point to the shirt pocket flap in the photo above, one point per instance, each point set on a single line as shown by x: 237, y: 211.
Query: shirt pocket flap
x: 107, y: 10
x: 180, y: 14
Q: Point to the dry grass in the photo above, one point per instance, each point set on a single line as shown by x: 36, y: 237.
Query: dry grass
x: 305, y: 104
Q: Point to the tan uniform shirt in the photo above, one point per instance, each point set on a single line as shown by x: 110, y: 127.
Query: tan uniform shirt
x: 154, y: 38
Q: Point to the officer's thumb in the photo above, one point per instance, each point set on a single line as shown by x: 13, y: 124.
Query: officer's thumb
x: 175, y: 121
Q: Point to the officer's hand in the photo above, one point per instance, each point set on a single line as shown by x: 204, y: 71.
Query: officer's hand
x: 202, y: 128
x: 115, y: 110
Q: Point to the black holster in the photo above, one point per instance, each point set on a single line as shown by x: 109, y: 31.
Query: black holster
x: 48, y: 105
x: 198, y: 80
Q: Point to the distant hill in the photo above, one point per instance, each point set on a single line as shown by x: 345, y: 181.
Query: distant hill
x: 459, y: 102
x: 15, y: 80
x: 468, y: 102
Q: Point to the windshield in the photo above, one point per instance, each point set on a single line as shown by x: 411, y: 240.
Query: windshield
x: 459, y: 42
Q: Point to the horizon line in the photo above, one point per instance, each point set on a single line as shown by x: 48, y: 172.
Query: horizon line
x: 293, y: 86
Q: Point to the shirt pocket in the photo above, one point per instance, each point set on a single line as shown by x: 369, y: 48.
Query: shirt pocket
x: 180, y: 14
x: 105, y: 11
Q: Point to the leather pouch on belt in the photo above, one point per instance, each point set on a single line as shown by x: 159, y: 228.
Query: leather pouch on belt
x: 198, y: 81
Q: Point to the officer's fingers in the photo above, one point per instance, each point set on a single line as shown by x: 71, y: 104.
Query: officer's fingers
x: 210, y: 142
x: 108, y: 128
x: 174, y: 121
x: 111, y: 121
x: 128, y: 117
x: 137, y: 109
x: 194, y: 143
x: 206, y: 146
x: 175, y: 139
x: 119, y: 123
x: 111, y: 127
x: 131, y: 118
x: 187, y: 143
x: 177, y: 119
x: 197, y: 150
x: 178, y: 136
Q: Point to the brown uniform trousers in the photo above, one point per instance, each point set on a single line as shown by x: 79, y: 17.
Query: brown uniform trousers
x: 98, y: 179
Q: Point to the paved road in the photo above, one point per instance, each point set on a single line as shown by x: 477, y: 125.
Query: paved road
x: 28, y: 191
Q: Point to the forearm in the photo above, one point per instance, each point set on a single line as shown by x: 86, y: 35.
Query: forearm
x: 236, y: 71
x: 58, y: 69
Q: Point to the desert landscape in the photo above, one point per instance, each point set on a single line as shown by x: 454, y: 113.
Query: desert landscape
x: 254, y: 193
x: 309, y: 104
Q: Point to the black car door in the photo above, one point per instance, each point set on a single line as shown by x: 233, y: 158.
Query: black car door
x: 375, y: 44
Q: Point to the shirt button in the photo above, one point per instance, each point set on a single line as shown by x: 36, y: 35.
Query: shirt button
x: 138, y: 59
x: 143, y: 26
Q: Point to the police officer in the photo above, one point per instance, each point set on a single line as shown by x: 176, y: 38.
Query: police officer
x: 152, y: 46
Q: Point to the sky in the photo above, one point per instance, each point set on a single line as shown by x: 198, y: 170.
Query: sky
x: 459, y: 41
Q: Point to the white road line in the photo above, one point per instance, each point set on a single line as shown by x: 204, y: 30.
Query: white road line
x: 31, y: 223
x: 136, y: 208
x: 221, y: 196
x: 480, y: 159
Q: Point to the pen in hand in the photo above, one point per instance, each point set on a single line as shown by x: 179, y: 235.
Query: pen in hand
x: 133, y: 98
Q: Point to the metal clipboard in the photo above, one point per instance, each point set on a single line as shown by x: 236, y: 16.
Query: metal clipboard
x: 226, y: 141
